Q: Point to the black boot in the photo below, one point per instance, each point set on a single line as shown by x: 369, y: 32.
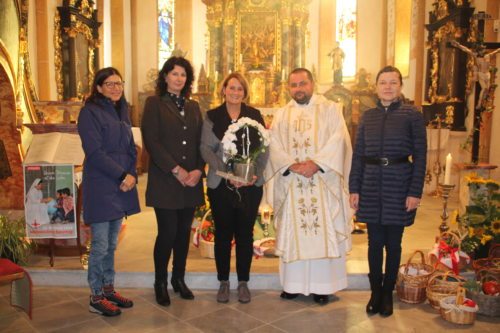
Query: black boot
x: 373, y: 305
x: 180, y: 286
x: 161, y: 293
x: 386, y: 307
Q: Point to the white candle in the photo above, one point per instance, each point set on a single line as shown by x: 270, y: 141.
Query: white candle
x: 447, y: 170
x: 216, y: 76
x: 283, y: 74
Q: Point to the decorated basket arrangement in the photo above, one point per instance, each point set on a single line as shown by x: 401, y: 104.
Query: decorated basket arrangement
x: 441, y: 285
x: 458, y: 312
x: 412, y: 280
x: 204, y: 236
x: 485, y: 293
x: 447, y: 254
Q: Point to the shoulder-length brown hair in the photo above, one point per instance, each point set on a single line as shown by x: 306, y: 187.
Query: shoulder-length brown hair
x: 241, y: 79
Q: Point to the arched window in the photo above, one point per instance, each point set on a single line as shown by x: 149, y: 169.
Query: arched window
x: 165, y: 30
x: 346, y: 27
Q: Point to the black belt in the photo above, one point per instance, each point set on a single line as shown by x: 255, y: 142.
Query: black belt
x: 384, y: 161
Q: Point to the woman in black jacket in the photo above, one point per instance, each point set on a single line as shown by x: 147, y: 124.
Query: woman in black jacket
x: 171, y: 128
x: 386, y: 181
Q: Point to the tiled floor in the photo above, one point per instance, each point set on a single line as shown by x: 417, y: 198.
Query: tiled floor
x: 65, y: 310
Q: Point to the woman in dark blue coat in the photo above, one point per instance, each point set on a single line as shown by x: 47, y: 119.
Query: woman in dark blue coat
x: 386, y: 181
x: 109, y: 179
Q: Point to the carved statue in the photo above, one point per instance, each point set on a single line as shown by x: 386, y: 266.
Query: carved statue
x: 482, y: 66
x: 337, y: 55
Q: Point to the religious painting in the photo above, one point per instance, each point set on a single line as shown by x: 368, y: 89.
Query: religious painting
x: 257, y: 31
x: 75, y: 49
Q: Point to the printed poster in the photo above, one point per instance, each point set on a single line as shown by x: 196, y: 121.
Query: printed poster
x: 49, y: 201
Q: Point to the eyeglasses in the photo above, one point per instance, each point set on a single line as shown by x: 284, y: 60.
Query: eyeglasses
x: 110, y: 84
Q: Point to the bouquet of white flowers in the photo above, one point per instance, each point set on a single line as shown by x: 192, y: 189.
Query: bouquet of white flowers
x: 242, y: 143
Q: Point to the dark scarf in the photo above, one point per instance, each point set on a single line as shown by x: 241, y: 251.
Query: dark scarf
x: 179, y: 101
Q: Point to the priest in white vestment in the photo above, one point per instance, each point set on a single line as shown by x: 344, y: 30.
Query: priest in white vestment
x: 310, y: 156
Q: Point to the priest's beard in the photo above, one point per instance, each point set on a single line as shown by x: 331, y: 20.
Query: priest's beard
x: 302, y: 98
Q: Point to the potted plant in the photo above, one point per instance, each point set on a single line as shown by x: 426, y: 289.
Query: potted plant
x: 14, y: 245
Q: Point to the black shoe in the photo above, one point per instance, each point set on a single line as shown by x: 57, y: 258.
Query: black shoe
x: 286, y: 295
x: 180, y: 286
x: 373, y: 305
x: 161, y: 293
x: 386, y: 307
x: 321, y: 299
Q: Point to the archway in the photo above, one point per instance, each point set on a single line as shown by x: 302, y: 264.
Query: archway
x: 11, y: 177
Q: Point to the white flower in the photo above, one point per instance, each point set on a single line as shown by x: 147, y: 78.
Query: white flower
x: 230, y: 138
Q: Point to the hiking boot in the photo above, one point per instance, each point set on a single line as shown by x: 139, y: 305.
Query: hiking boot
x: 119, y: 300
x: 243, y: 292
x: 104, y: 307
x: 223, y: 293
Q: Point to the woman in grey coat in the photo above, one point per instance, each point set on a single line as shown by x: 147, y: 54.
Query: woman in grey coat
x: 386, y: 181
x: 234, y: 205
x: 171, y: 128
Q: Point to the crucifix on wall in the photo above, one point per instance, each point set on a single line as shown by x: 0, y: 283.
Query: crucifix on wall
x: 481, y: 53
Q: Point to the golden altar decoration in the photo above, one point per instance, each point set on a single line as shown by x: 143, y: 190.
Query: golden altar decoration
x: 262, y: 39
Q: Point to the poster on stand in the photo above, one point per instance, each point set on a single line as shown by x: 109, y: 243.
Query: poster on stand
x: 50, y: 201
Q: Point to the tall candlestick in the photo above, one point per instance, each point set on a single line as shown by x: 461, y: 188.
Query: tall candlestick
x: 447, y: 170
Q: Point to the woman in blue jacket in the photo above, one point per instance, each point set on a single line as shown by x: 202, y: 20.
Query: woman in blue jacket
x: 109, y: 179
x: 386, y: 181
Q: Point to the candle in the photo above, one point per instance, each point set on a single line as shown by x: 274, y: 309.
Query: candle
x: 283, y: 74
x: 447, y: 170
x: 216, y: 76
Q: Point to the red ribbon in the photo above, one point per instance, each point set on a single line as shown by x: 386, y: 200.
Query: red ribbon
x: 444, y: 248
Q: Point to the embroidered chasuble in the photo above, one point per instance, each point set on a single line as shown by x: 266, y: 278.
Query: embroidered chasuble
x: 311, y: 215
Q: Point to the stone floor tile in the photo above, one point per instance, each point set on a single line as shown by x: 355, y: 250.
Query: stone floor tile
x: 226, y: 320
x: 177, y: 327
x: 96, y: 325
x: 15, y: 323
x: 269, y: 307
x: 49, y: 318
x: 188, y: 309
x: 266, y: 329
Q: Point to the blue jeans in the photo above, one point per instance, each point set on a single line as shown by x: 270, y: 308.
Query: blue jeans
x: 102, y: 254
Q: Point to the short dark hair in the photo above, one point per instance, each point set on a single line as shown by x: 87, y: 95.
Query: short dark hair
x: 99, y: 79
x: 390, y: 69
x: 241, y: 79
x: 161, y: 85
x: 302, y: 70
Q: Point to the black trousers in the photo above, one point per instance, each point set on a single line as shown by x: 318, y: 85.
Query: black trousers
x: 234, y: 217
x: 388, y: 236
x: 174, y: 230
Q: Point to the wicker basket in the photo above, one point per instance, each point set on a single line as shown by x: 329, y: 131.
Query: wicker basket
x: 438, y: 265
x: 411, y: 288
x: 206, y: 249
x: 491, y: 265
x: 442, y: 285
x: 458, y: 314
x: 488, y: 305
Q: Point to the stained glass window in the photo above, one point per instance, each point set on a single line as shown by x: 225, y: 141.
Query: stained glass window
x: 165, y: 30
x: 346, y: 26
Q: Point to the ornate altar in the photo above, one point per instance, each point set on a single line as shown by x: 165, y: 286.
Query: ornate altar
x: 255, y: 37
x: 76, y: 40
x: 446, y: 76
